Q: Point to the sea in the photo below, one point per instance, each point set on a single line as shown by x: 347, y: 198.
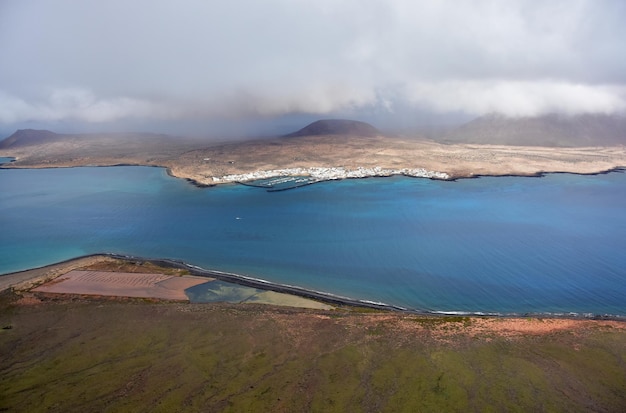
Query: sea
x: 551, y: 245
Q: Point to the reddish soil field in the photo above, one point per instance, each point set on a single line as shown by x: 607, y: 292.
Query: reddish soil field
x: 122, y: 284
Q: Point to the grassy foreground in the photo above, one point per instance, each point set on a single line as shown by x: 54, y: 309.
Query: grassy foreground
x: 118, y: 356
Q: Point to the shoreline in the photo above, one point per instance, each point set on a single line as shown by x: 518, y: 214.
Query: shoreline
x: 221, y: 181
x: 448, y: 178
x: 26, y: 282
x: 618, y: 169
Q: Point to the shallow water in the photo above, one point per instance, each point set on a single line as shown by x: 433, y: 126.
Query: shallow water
x: 505, y: 245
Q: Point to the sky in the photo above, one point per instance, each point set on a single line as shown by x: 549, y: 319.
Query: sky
x: 233, y: 66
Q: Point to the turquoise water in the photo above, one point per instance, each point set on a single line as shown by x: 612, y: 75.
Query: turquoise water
x: 505, y: 245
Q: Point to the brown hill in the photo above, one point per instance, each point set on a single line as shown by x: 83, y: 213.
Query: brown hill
x: 547, y: 130
x: 28, y: 137
x: 337, y: 127
x: 45, y: 148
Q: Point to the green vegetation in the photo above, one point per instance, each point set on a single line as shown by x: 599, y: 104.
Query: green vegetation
x: 102, y: 355
x: 119, y: 265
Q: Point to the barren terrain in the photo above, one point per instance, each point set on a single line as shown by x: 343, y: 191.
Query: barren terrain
x: 201, y: 162
x: 458, y: 161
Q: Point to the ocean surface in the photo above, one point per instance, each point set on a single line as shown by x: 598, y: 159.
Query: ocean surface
x: 508, y: 245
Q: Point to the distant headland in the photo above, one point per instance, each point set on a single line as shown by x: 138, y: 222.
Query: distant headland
x: 342, y: 148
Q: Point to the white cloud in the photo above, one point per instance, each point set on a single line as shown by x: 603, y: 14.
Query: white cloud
x: 518, y: 98
x: 76, y: 104
x: 100, y: 61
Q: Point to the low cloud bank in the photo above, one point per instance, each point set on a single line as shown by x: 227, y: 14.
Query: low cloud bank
x: 99, y: 62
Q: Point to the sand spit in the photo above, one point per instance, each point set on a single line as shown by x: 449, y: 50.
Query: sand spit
x: 246, y: 290
x: 119, y: 276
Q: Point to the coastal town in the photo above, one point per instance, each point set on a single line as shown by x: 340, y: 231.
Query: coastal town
x: 320, y: 174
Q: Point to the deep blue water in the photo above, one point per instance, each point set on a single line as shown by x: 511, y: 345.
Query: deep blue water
x: 508, y: 245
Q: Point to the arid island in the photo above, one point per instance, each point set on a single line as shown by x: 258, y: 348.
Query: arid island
x: 324, y: 150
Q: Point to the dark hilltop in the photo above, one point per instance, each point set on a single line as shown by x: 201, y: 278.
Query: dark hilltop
x: 28, y: 137
x: 336, y: 127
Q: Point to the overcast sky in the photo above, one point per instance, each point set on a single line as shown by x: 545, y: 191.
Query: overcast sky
x: 151, y: 61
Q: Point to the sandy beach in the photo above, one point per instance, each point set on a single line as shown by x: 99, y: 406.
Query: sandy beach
x: 25, y: 280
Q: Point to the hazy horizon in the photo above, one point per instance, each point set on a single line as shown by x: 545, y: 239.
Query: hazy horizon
x: 246, y: 68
